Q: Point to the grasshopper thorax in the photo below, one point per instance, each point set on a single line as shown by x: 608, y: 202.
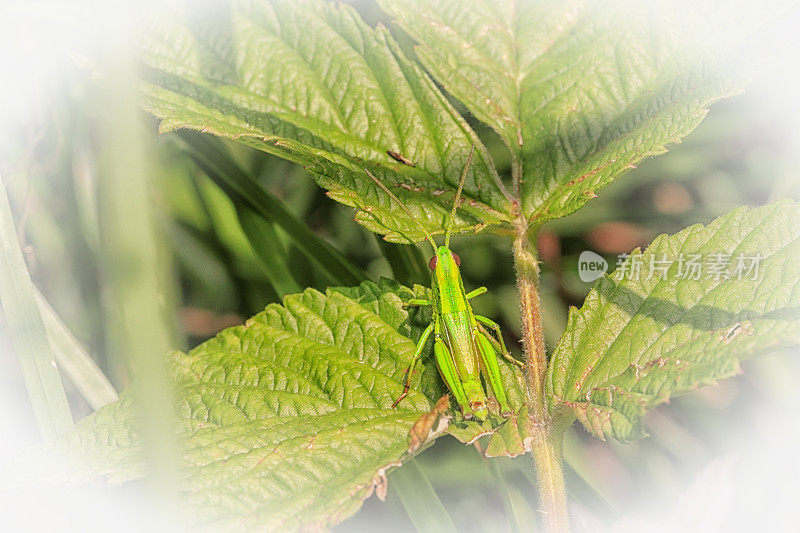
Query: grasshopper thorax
x: 446, y: 282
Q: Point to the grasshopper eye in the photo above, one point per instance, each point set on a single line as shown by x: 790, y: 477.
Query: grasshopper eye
x: 432, y: 262
x: 456, y: 259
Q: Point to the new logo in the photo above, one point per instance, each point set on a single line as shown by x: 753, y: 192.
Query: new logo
x: 591, y: 266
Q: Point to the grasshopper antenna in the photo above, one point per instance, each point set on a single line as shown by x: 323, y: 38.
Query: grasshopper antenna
x: 457, y: 198
x: 405, y: 208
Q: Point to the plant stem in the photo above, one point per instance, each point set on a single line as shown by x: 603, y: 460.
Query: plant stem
x: 527, y: 268
x: 547, y: 439
x: 546, y: 450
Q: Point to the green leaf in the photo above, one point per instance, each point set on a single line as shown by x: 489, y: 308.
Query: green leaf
x: 311, y: 82
x: 284, y: 423
x: 578, y: 90
x: 636, y: 342
x: 507, y: 438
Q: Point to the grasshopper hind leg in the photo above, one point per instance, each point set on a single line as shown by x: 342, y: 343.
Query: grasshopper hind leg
x: 499, y: 343
x: 448, y: 372
x: 489, y: 363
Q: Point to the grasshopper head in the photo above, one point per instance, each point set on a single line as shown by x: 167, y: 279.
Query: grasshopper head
x: 444, y: 261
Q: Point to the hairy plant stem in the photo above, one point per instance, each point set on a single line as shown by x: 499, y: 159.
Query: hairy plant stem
x: 547, y: 439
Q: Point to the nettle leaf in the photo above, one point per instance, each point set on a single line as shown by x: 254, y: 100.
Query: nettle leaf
x: 639, y: 339
x: 509, y: 438
x: 579, y: 90
x: 285, y: 422
x: 310, y: 81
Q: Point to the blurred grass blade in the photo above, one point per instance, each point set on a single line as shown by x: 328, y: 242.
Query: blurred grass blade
x: 201, y: 262
x: 73, y: 360
x: 267, y: 246
x: 216, y: 238
x: 420, y: 500
x: 578, y: 460
x: 255, y: 230
x: 135, y: 267
x: 229, y: 176
x: 28, y: 335
x: 523, y: 513
x: 504, y: 488
x: 408, y: 265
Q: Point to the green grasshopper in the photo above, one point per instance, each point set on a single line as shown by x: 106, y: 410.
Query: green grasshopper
x: 463, y: 348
